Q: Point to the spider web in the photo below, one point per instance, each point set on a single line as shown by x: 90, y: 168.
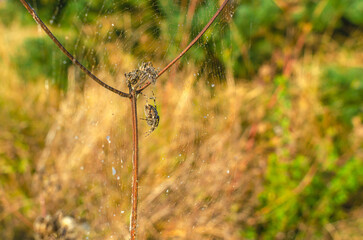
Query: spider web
x: 88, y: 148
x: 251, y: 131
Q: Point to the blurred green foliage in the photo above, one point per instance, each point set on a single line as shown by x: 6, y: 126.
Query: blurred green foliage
x: 43, y: 61
x: 347, y: 83
x: 248, y: 32
x: 326, y: 199
x: 47, y: 62
x: 316, y: 186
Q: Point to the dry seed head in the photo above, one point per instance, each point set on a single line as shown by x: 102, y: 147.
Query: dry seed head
x: 139, y: 77
x: 58, y: 227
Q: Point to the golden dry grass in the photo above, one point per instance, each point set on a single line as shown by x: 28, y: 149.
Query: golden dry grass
x: 201, y: 171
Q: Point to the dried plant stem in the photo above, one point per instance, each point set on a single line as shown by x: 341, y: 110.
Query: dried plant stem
x: 135, y: 167
x: 70, y: 56
x: 132, y: 95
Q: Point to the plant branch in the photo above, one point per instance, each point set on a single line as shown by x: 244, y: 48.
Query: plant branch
x: 70, y: 56
x: 190, y: 44
x: 132, y: 95
x: 135, y: 167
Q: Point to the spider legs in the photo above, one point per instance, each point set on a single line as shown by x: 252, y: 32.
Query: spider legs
x: 151, y: 114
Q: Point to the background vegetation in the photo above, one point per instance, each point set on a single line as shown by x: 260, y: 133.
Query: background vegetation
x: 261, y: 122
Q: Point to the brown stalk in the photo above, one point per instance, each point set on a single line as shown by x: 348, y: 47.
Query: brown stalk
x: 132, y: 95
x: 135, y: 166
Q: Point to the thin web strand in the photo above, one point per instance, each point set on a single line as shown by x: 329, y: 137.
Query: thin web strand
x: 70, y: 56
x: 190, y: 44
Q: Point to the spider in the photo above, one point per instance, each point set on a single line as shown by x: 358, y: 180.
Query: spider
x: 151, y: 116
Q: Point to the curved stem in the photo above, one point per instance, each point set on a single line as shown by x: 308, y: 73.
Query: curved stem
x: 135, y: 167
x: 70, y: 56
x: 190, y: 44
